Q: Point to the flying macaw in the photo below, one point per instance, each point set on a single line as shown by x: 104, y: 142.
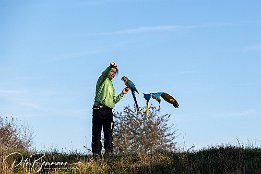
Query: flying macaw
x: 147, y: 98
x: 157, y: 96
x: 132, y: 87
x: 166, y: 97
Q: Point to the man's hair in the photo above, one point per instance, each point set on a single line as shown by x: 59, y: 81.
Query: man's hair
x: 117, y: 70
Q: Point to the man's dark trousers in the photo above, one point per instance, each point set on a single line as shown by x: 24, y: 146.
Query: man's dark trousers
x: 102, y: 119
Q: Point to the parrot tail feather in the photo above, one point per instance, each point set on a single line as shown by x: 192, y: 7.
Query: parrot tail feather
x: 147, y: 108
x: 135, y: 100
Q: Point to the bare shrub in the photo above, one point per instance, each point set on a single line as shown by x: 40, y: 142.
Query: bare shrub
x: 143, y: 133
x: 13, y: 134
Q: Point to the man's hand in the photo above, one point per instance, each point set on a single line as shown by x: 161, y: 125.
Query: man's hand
x: 125, y: 91
x: 113, y: 64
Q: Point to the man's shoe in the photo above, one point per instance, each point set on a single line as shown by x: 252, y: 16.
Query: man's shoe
x: 108, y: 153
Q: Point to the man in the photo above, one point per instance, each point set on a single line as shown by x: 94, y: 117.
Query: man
x: 105, y: 101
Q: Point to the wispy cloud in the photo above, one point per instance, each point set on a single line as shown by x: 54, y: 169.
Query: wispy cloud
x: 153, y: 29
x: 245, y: 113
x: 66, y: 4
x: 254, y: 48
x: 37, y: 103
x: 23, y: 102
x: 147, y: 29
x: 9, y: 92
x: 185, y: 72
x: 31, y: 104
x: 88, y: 52
x: 236, y: 114
x: 75, y: 55
x: 168, y: 28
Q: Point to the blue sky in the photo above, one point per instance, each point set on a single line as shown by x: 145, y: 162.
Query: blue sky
x: 207, y: 54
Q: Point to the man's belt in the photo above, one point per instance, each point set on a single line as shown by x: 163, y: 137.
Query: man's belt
x: 100, y: 107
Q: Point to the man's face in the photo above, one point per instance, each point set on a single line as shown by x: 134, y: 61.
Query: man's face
x: 112, y: 73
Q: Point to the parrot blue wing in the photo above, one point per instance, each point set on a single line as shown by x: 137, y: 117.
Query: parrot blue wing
x: 132, y: 86
x: 157, y: 96
x: 147, y: 96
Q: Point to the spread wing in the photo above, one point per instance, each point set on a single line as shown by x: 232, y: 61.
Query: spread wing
x: 170, y: 99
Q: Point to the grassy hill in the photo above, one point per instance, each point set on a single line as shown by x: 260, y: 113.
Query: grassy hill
x: 220, y: 159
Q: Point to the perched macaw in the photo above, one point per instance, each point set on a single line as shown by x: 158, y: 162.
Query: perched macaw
x: 147, y: 98
x: 132, y: 87
x: 157, y: 96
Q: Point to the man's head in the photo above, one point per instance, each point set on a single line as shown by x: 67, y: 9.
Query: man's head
x: 113, y: 72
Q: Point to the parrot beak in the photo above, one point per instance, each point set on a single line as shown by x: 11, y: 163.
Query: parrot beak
x: 123, y: 78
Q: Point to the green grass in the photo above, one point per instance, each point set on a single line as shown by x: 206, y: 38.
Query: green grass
x: 211, y: 160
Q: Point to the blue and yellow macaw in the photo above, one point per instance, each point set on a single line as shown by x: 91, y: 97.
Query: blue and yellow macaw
x: 132, y: 87
x: 157, y: 96
x: 147, y: 98
x: 166, y: 97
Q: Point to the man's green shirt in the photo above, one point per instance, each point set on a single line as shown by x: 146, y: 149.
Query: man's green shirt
x: 105, y: 92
